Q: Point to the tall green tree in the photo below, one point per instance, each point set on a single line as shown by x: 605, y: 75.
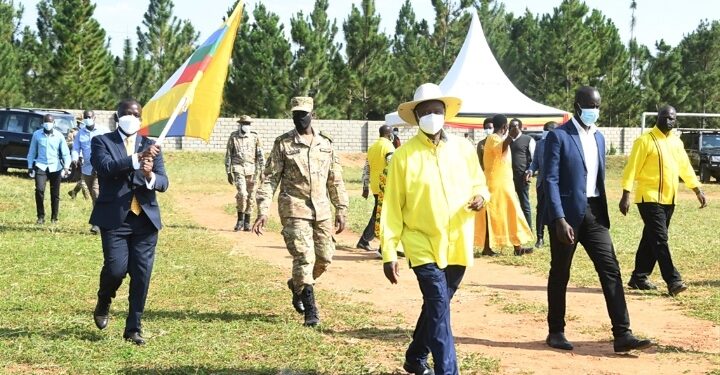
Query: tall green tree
x: 259, y: 75
x: 412, y: 52
x: 312, y: 72
x: 11, y: 93
x: 369, y: 63
x: 526, y: 61
x: 663, y: 80
x: 497, y: 26
x: 81, y: 66
x: 235, y: 95
x: 165, y: 42
x: 701, y: 69
x: 131, y: 74
x: 449, y: 31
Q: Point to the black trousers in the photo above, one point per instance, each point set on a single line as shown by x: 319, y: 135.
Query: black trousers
x: 540, y: 214
x: 41, y: 179
x: 369, y: 232
x: 596, y: 240
x: 129, y: 249
x: 654, y: 246
x: 522, y: 188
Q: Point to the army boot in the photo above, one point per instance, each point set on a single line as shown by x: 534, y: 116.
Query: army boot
x: 311, y: 313
x: 296, y: 299
x: 246, y: 226
x: 240, y: 222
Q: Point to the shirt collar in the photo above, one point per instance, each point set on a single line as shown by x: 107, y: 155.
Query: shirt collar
x: 123, y: 136
x: 591, y: 130
x: 658, y: 133
x: 518, y: 136
x: 428, y: 142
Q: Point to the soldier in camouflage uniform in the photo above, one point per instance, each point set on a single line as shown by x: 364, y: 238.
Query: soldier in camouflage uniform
x: 243, y: 163
x: 303, y: 164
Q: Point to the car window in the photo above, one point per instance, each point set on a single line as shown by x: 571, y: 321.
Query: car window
x: 13, y: 122
x: 63, y: 124
x: 710, y: 140
x: 35, y: 123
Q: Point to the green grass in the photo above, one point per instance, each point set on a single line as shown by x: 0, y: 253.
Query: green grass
x: 693, y: 243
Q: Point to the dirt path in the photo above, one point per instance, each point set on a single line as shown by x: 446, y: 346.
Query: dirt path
x: 484, y: 320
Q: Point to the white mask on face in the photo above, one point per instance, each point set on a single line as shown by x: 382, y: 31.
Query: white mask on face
x: 48, y: 126
x: 89, y: 122
x: 432, y: 123
x: 245, y: 128
x: 129, y: 124
x: 488, y: 131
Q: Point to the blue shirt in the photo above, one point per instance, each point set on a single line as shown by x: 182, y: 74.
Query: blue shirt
x: 81, y: 147
x: 48, y: 152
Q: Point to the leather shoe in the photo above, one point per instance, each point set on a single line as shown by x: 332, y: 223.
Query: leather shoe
x: 539, y: 243
x: 523, y: 251
x: 134, y: 337
x: 641, y: 284
x: 629, y: 342
x: 676, y: 288
x: 365, y: 246
x: 296, y: 300
x: 557, y: 340
x: 489, y: 253
x: 101, y: 315
x: 418, y: 368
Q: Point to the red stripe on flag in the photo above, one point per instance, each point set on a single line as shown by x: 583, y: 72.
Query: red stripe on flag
x: 189, y: 73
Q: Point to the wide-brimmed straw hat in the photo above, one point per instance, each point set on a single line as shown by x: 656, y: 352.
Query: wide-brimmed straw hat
x: 428, y: 91
x: 245, y: 118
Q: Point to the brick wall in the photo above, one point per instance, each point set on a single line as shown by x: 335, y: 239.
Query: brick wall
x: 348, y: 135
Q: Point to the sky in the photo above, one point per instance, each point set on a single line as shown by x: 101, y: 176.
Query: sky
x: 656, y: 19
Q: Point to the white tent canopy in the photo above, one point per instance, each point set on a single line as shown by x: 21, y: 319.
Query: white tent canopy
x: 477, y: 79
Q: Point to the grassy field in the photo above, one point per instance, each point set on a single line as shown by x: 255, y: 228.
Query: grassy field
x: 207, y: 311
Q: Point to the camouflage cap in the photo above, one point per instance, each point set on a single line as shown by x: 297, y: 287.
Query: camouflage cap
x: 301, y: 103
x: 245, y: 118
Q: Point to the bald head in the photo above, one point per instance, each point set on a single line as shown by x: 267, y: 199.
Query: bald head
x: 385, y: 130
x: 666, y: 118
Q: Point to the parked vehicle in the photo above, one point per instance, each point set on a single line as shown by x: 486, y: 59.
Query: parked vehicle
x: 703, y: 148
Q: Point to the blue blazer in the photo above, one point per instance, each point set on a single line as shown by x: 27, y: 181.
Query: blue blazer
x: 565, y: 176
x: 119, y: 181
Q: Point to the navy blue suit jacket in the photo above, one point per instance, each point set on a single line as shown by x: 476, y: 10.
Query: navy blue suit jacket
x: 119, y: 181
x: 537, y: 162
x: 565, y: 176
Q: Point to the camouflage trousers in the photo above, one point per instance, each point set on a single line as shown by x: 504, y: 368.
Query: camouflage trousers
x: 311, y: 245
x: 245, y: 196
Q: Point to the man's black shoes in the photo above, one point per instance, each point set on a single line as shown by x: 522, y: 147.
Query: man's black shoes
x: 246, y: 223
x: 134, y: 337
x: 418, y: 368
x: 641, y: 284
x: 539, y: 243
x: 365, y: 246
x: 557, y: 340
x: 624, y: 344
x: 676, y: 288
x: 296, y: 300
x: 489, y: 253
x: 101, y: 315
x: 311, y: 312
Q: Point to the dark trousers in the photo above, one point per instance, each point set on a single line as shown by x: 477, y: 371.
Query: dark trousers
x: 41, y: 179
x: 654, y: 243
x: 432, y: 332
x: 596, y: 240
x: 522, y: 188
x: 129, y: 249
x: 369, y: 232
x: 540, y: 214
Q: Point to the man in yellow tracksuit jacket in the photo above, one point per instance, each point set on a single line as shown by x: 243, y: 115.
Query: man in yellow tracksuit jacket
x: 657, y: 159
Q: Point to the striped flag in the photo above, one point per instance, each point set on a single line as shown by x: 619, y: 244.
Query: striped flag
x: 190, y: 100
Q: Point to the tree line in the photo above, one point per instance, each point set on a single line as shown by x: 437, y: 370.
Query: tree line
x: 67, y: 63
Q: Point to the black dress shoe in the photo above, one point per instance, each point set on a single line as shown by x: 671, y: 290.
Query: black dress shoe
x: 523, y: 251
x: 418, y: 368
x: 540, y: 243
x: 489, y: 253
x: 557, y: 340
x: 134, y: 337
x: 365, y: 246
x: 101, y: 315
x: 676, y: 288
x: 641, y: 284
x: 629, y: 342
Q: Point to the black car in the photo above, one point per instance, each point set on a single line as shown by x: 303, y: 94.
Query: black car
x: 17, y: 126
x: 703, y: 148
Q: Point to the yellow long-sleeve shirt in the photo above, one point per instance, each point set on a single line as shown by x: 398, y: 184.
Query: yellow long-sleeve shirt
x: 376, y: 155
x: 656, y: 161
x: 425, y: 203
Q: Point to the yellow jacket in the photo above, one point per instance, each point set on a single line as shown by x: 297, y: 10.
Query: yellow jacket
x: 656, y: 161
x: 376, y: 155
x: 425, y: 201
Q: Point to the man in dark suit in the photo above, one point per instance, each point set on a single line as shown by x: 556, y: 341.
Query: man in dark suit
x: 536, y: 166
x: 130, y: 170
x: 577, y: 212
x: 522, y: 149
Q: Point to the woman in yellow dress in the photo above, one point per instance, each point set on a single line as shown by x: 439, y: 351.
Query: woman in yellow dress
x: 507, y: 225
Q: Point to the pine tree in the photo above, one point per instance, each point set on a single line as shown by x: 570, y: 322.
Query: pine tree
x: 11, y: 93
x: 165, y: 42
x: 526, y: 61
x: 131, y: 75
x: 449, y: 31
x: 81, y: 66
x: 663, y: 80
x: 496, y: 24
x: 412, y: 53
x: 235, y: 95
x: 701, y: 69
x: 369, y: 63
x: 312, y: 72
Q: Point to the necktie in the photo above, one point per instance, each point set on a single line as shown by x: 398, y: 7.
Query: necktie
x: 134, y: 204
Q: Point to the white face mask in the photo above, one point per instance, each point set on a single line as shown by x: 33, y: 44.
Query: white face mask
x: 129, y: 124
x: 488, y: 131
x: 245, y: 128
x: 432, y: 123
x: 89, y: 122
x: 48, y: 126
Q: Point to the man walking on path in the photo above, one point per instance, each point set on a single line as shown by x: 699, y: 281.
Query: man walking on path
x: 81, y: 153
x: 244, y: 161
x: 304, y: 166
x: 657, y: 160
x: 434, y: 186
x: 536, y: 167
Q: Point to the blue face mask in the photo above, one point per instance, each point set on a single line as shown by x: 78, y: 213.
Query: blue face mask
x: 589, y: 116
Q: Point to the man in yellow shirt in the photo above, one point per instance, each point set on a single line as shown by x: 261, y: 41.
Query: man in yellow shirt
x: 434, y: 186
x: 377, y: 156
x: 657, y: 159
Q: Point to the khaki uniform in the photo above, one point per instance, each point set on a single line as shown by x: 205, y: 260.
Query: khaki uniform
x: 243, y: 158
x: 310, y: 180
